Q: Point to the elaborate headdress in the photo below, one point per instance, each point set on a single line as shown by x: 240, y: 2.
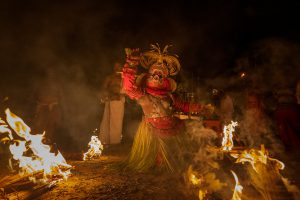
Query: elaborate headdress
x: 155, y: 55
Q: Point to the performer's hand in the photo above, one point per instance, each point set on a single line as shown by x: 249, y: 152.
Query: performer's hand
x: 132, y: 56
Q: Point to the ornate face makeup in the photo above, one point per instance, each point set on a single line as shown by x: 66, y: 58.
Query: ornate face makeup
x: 160, y: 67
x: 157, y: 74
x: 157, y: 58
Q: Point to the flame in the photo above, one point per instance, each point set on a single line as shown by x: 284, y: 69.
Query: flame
x: 194, y: 180
x: 254, y: 156
x: 227, y: 142
x: 191, y: 174
x: 42, y: 159
x: 4, y: 129
x: 95, y: 149
x: 237, y: 194
x: 202, y: 194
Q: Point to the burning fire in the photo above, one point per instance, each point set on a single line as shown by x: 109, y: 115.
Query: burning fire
x: 202, y: 194
x: 42, y: 160
x: 194, y: 180
x: 237, y: 194
x: 255, y: 156
x: 192, y: 176
x: 227, y: 142
x: 95, y: 150
x: 263, y: 171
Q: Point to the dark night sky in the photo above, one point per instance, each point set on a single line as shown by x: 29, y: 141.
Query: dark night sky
x: 210, y: 35
x: 80, y: 40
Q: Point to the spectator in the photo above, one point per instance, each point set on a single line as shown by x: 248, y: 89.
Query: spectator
x: 287, y: 118
x: 112, y: 121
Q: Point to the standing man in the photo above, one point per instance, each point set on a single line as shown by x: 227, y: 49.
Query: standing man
x: 112, y: 120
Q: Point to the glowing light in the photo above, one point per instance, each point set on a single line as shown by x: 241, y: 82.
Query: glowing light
x: 254, y: 156
x: 41, y: 159
x: 202, y: 194
x: 243, y: 74
x: 194, y: 180
x: 95, y: 149
x: 227, y: 142
x: 237, y: 194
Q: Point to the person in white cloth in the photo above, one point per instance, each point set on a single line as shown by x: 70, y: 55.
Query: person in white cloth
x: 112, y: 121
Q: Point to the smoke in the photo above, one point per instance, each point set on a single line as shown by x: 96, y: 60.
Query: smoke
x: 271, y: 67
x: 271, y: 64
x: 80, y: 41
x: 68, y: 42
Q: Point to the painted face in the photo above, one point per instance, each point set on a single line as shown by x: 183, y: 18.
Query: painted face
x: 157, y: 77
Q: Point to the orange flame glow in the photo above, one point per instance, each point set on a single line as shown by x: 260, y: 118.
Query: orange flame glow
x: 194, y: 180
x: 254, y: 156
x: 95, y: 149
x: 42, y: 159
x: 227, y: 142
x: 202, y: 194
x: 237, y: 194
x: 243, y: 74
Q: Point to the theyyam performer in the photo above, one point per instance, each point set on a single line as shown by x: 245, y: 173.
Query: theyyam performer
x: 160, y: 138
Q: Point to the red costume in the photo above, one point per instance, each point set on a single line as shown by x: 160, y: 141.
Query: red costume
x: 157, y: 140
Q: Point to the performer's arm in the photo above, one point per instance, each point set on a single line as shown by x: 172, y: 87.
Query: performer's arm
x: 129, y: 76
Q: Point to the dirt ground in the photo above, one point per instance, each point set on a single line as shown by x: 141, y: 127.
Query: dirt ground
x: 95, y: 179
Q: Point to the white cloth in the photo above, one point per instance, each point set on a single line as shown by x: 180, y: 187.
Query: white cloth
x: 112, y: 122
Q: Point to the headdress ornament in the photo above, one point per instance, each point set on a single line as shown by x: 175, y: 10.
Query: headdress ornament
x: 155, y: 55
